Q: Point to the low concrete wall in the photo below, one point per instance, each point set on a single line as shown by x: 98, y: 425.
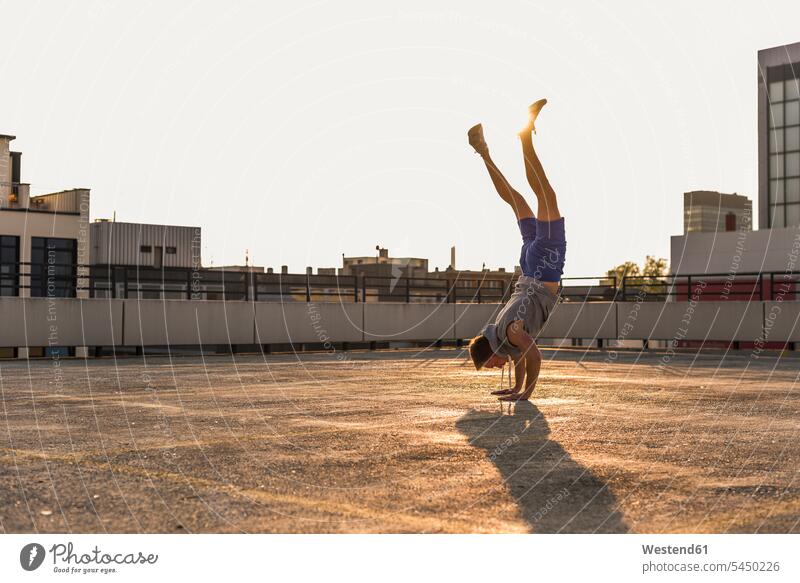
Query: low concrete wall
x: 782, y: 321
x: 582, y: 320
x: 384, y: 321
x: 726, y: 321
x: 59, y: 322
x: 313, y: 322
x: 471, y: 318
x: 187, y: 322
x: 101, y: 322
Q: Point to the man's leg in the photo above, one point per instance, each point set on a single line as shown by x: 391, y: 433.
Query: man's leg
x: 517, y: 202
x: 548, y: 205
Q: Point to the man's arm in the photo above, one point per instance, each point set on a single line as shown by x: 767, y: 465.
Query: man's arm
x: 531, y: 356
x: 519, y: 373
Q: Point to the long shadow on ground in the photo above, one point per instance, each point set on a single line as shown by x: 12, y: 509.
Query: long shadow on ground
x: 554, y: 493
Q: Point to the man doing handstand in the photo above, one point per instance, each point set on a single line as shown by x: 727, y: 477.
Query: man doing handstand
x: 542, y: 262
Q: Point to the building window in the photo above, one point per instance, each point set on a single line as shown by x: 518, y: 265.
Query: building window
x: 791, y: 89
x: 784, y: 150
x: 145, y: 249
x: 791, y: 138
x: 776, y: 191
x: 776, y: 91
x: 776, y: 115
x: 775, y: 141
x: 9, y: 265
x: 777, y: 217
x: 791, y: 113
x: 53, y: 267
x: 793, y: 214
x: 792, y: 189
x: 171, y: 250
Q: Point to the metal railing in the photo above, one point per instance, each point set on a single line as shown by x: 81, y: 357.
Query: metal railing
x: 115, y: 281
x: 745, y: 286
x: 42, y: 279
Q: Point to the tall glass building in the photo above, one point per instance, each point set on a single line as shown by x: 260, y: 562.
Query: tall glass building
x: 779, y: 137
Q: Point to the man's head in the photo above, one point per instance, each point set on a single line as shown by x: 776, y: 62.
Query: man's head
x: 480, y: 351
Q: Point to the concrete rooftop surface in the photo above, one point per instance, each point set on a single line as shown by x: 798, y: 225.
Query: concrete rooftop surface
x: 400, y: 441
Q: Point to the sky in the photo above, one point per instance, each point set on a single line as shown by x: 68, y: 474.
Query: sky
x: 304, y: 130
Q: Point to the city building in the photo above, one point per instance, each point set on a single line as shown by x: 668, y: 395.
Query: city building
x: 381, y: 265
x: 137, y: 260
x: 740, y: 254
x: 779, y: 137
x: 145, y: 245
x: 708, y: 211
x: 237, y: 268
x: 385, y: 278
x: 44, y: 239
x: 488, y: 285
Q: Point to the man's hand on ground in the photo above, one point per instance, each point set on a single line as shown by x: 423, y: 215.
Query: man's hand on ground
x: 505, y: 392
x: 516, y: 397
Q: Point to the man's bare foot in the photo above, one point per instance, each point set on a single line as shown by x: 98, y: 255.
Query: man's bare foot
x: 533, y: 112
x: 505, y: 392
x: 516, y: 397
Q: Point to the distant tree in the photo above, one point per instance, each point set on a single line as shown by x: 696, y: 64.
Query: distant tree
x: 653, y: 271
x: 624, y: 269
x: 654, y: 267
x: 648, y: 278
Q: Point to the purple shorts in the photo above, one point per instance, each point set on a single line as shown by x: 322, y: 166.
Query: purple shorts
x: 544, y: 247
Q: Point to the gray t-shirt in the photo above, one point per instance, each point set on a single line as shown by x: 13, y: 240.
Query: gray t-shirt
x: 532, y: 303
